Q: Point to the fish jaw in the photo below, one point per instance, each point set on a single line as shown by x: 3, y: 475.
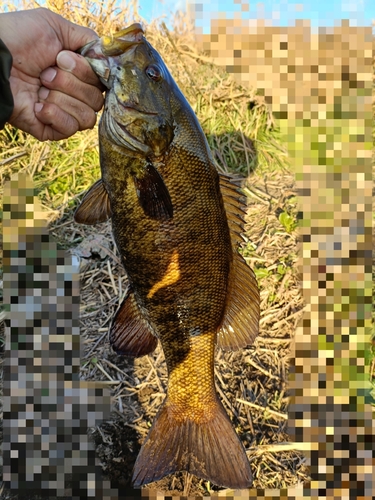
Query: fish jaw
x: 97, y: 52
x: 122, y: 40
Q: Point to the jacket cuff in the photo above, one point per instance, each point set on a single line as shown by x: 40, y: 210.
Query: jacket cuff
x: 6, y: 98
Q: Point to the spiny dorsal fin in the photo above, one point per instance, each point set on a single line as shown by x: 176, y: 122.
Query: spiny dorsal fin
x: 235, y: 206
x: 130, y: 333
x: 231, y: 182
x: 95, y: 206
x: 241, y: 320
x: 153, y: 194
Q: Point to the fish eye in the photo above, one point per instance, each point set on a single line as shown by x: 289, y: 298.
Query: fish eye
x: 153, y: 72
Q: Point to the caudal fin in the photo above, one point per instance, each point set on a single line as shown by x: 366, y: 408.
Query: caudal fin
x: 210, y: 450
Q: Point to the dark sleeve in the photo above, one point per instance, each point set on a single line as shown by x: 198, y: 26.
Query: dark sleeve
x: 6, y: 98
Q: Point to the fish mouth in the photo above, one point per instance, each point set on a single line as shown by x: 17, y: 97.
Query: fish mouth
x: 121, y: 41
x: 130, y: 107
x: 114, y: 45
x: 132, y: 30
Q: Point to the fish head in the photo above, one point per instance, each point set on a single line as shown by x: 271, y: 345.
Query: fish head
x: 137, y: 115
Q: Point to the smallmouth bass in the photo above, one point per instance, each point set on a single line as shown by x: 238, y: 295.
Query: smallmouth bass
x: 177, y: 226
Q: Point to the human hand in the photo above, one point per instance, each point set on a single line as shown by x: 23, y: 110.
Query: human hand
x: 55, y: 91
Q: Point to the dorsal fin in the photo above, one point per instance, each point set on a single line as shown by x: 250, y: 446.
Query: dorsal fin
x: 241, y: 319
x: 95, y: 206
x: 235, y: 206
x: 130, y: 332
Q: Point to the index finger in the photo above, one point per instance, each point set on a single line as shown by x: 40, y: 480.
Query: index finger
x: 79, y: 67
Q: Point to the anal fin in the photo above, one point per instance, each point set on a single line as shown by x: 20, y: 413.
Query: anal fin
x: 95, y: 206
x: 130, y: 333
x: 241, y: 319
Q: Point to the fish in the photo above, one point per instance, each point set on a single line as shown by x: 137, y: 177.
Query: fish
x: 177, y: 224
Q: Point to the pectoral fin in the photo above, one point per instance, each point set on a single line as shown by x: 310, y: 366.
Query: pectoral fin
x: 153, y: 194
x: 95, y: 206
x: 130, y: 333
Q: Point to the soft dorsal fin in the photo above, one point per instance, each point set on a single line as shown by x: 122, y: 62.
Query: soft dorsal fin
x: 235, y: 206
x: 241, y: 319
x: 95, y: 206
x: 130, y: 332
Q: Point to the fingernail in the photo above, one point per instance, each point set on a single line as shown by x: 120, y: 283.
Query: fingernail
x: 38, y: 106
x: 43, y: 93
x: 65, y: 61
x: 48, y: 74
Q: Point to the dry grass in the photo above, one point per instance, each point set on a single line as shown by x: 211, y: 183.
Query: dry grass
x: 252, y: 383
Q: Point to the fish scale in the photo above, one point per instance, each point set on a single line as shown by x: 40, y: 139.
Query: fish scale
x: 191, y: 389
x: 188, y: 286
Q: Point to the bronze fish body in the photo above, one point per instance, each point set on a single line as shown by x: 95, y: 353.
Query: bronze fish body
x: 177, y: 225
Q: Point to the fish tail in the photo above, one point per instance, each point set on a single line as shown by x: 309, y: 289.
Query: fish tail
x: 211, y: 450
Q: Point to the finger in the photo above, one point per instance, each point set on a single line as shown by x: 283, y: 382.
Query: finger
x: 81, y: 112
x: 77, y: 64
x: 72, y: 36
x: 60, y: 124
x: 68, y: 84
